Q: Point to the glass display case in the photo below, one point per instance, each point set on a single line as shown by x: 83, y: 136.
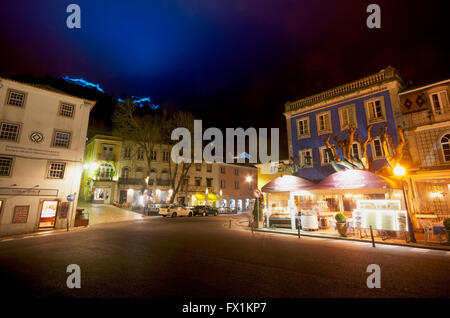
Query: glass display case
x: 385, y: 215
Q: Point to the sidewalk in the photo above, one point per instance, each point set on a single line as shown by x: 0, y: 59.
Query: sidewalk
x: 378, y: 240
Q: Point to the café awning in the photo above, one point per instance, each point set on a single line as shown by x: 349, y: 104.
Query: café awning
x: 287, y: 184
x: 355, y: 179
x: 201, y: 197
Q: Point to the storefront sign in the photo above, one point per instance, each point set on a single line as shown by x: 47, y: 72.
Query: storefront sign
x: 29, y: 192
x: 20, y: 214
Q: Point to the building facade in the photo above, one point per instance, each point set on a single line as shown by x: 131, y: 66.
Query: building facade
x: 117, y: 172
x: 426, y: 117
x: 371, y: 100
x: 42, y: 142
x: 236, y: 184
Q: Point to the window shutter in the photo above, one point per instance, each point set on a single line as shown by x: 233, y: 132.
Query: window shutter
x: 444, y: 100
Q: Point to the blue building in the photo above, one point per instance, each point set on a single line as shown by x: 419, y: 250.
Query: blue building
x: 371, y: 100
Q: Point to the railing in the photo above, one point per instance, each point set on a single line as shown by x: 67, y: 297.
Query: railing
x: 131, y: 181
x: 389, y: 72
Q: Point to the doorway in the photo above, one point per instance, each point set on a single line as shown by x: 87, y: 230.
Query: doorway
x: 48, y: 214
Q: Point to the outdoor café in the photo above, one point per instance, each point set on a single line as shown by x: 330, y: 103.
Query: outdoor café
x: 364, y: 199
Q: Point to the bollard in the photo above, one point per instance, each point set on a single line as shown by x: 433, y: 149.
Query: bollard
x: 371, y: 234
x: 230, y: 223
x: 298, y: 231
x: 252, y: 227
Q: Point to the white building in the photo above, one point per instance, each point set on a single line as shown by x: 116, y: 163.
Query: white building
x: 42, y: 141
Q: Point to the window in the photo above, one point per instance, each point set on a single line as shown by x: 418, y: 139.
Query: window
x: 165, y: 156
x: 236, y: 171
x: 198, y: 167
x: 66, y: 110
x: 106, y: 171
x: 140, y: 154
x: 445, y: 144
x: 9, y: 131
x: 5, y: 166
x: 356, y: 150
x: 306, y: 160
x: 324, y: 123
x: 377, y: 149
x: 236, y: 184
x: 125, y: 173
x: 186, y: 181
x: 439, y: 101
x: 347, y: 117
x: 209, y: 182
x: 208, y: 167
x: 375, y: 111
x: 303, y: 128
x: 61, y: 139
x: 325, y: 159
x: 139, y: 174
x: 222, y: 170
x: 16, y: 98
x: 153, y: 156
x: 198, y: 181
x: 222, y: 183
x: 127, y: 153
x: 56, y: 170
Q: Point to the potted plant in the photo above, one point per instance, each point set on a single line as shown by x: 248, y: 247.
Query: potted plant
x: 341, y: 225
x: 447, y: 229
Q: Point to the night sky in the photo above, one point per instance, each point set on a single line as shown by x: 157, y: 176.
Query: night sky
x: 231, y: 62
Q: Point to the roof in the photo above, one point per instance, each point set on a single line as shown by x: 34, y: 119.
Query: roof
x: 50, y: 89
x: 423, y: 86
x: 355, y: 179
x: 287, y: 183
x: 386, y: 75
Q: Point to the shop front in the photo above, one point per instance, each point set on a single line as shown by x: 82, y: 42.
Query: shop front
x: 362, y: 200
x: 201, y: 199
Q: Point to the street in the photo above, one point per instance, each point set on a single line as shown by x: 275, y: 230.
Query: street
x: 203, y: 257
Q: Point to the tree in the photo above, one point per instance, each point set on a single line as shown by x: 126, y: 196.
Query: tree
x: 141, y: 130
x: 178, y: 171
x: 348, y: 160
x: 145, y: 129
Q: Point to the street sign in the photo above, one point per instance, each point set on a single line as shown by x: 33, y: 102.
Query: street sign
x: 70, y: 197
x: 257, y: 193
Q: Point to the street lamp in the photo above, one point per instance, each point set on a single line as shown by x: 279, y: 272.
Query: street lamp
x: 400, y: 172
x: 206, y: 196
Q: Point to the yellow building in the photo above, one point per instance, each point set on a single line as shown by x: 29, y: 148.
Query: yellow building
x: 100, y: 169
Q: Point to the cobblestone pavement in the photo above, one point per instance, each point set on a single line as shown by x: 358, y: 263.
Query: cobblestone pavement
x: 105, y: 213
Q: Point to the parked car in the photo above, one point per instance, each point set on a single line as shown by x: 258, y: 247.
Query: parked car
x: 225, y: 210
x: 204, y: 210
x: 175, y: 210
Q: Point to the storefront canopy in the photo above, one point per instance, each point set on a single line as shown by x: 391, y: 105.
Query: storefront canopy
x: 355, y: 179
x: 201, y: 197
x: 287, y: 184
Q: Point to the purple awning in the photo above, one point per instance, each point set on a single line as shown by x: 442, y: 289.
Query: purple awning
x: 287, y: 184
x: 355, y: 179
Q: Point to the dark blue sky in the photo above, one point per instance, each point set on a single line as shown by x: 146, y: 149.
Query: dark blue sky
x: 232, y: 62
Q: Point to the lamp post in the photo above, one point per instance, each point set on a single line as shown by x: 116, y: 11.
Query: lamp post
x: 400, y: 172
x: 249, y: 181
x: 206, y: 196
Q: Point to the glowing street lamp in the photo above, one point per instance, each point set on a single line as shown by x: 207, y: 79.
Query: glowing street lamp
x: 400, y: 172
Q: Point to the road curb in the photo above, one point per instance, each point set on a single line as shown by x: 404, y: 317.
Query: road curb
x: 40, y: 234
x: 443, y: 248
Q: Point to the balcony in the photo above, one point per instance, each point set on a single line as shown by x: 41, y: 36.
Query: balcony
x: 131, y: 181
x: 107, y: 156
